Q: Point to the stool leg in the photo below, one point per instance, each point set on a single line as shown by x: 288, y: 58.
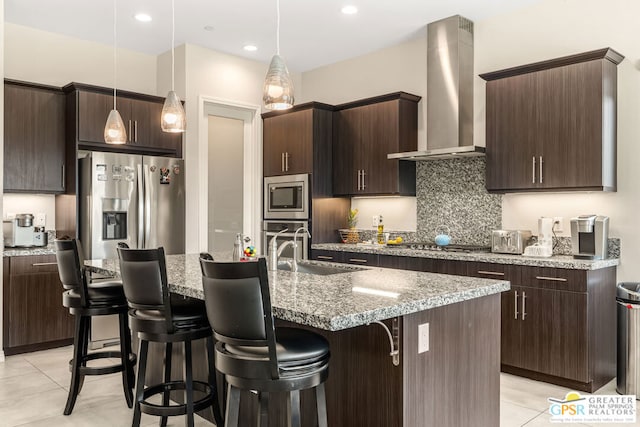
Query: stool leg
x: 78, y: 341
x: 125, y: 350
x: 321, y: 405
x: 233, y: 407
x: 168, y: 349
x: 84, y: 348
x: 188, y: 377
x: 142, y: 367
x: 263, y: 411
x: 215, y: 405
x: 293, y: 411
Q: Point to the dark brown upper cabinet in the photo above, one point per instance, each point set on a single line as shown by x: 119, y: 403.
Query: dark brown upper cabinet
x: 551, y: 125
x: 88, y: 108
x: 298, y: 141
x: 34, y: 138
x: 365, y: 132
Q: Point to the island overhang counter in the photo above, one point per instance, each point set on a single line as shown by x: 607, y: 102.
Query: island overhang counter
x: 369, y: 313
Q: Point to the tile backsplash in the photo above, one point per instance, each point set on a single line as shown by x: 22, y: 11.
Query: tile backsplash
x: 452, y: 193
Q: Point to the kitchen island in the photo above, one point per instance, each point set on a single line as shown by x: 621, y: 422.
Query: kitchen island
x: 363, y: 312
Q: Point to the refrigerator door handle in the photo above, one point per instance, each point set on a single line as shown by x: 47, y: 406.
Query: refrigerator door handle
x: 141, y: 194
x: 147, y: 205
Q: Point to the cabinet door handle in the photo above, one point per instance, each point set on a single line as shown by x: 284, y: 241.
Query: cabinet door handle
x: 515, y: 305
x: 533, y: 170
x: 63, y: 177
x: 540, y: 169
x: 492, y: 273
x: 358, y: 179
x: 286, y: 162
x: 129, y: 131
x: 42, y: 264
x: 329, y: 258
x: 551, y: 279
x: 360, y: 260
x: 364, y: 174
x: 524, y: 310
x: 282, y: 162
x: 135, y: 130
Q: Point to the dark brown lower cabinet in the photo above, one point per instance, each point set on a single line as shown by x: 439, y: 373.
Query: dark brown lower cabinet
x: 558, y: 325
x: 34, y: 318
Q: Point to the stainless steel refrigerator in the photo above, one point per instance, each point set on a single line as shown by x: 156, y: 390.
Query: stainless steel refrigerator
x: 134, y: 199
x: 127, y: 198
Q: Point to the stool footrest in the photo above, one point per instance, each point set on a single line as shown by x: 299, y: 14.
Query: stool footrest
x: 180, y: 409
x: 102, y: 370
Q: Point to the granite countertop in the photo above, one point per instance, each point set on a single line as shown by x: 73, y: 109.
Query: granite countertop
x: 556, y: 261
x: 337, y: 301
x: 43, y: 250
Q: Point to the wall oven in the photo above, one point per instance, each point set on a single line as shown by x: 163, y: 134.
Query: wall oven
x: 286, y: 197
x: 271, y: 228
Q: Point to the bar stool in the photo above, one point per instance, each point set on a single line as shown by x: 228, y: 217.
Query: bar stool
x: 251, y: 352
x: 160, y: 316
x: 85, y: 299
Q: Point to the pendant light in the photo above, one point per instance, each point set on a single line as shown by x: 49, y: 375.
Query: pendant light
x: 114, y: 131
x: 173, y: 118
x: 278, y: 87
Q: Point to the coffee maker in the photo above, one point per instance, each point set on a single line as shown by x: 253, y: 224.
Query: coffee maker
x: 589, y: 236
x: 19, y: 232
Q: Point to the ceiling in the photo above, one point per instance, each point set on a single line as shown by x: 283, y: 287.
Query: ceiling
x: 313, y: 32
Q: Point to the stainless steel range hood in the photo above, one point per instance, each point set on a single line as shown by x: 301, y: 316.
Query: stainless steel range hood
x: 449, y: 92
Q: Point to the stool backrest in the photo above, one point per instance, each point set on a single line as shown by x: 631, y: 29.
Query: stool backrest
x: 71, y: 269
x: 144, y: 279
x: 238, y: 304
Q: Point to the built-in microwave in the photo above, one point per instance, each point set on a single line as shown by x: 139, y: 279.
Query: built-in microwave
x: 286, y: 197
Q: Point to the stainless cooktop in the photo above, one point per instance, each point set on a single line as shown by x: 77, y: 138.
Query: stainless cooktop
x: 431, y: 246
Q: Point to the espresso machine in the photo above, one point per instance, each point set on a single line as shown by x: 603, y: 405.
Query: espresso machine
x: 589, y: 236
x: 19, y: 232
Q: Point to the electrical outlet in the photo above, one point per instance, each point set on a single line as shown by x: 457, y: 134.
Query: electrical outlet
x: 40, y: 220
x: 557, y: 222
x: 423, y: 338
x: 376, y: 220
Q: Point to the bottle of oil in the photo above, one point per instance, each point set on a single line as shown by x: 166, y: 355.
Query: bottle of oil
x: 380, y: 231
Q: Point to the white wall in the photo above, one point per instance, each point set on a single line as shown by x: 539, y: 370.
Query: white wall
x: 554, y: 28
x: 31, y: 203
x: 398, y: 213
x: 216, y: 75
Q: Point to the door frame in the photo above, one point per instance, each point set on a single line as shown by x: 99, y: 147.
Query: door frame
x: 252, y: 154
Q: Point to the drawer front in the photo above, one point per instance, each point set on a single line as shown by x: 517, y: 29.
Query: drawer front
x: 358, y: 258
x: 405, y: 263
x: 487, y: 270
x: 31, y: 264
x: 324, y: 255
x: 555, y: 278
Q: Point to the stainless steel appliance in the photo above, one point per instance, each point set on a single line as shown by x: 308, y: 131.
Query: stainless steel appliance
x: 271, y: 228
x: 590, y: 236
x: 509, y: 241
x: 286, y: 197
x: 129, y: 198
x: 134, y: 199
x: 628, y: 359
x: 19, y: 232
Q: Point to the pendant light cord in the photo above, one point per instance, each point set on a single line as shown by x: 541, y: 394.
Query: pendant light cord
x: 278, y: 27
x: 115, y: 56
x: 173, y: 43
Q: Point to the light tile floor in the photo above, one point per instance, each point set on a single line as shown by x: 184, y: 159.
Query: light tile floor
x: 33, y: 392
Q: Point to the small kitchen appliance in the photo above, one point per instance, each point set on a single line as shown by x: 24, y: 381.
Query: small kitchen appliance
x: 286, y: 197
x: 589, y: 236
x: 509, y: 241
x: 20, y: 232
x: 544, y: 246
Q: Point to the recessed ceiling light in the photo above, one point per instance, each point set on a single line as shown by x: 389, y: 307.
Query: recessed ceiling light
x: 142, y: 17
x: 208, y: 27
x: 349, y: 10
x: 250, y: 48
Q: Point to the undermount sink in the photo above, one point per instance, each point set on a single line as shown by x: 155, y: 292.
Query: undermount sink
x: 322, y: 270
